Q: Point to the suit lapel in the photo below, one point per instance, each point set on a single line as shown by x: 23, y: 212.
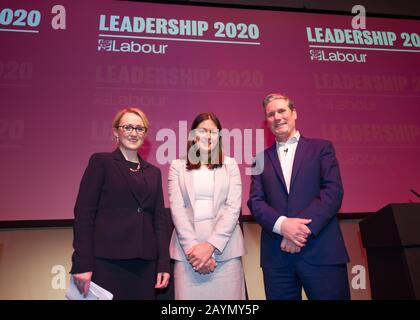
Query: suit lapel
x: 274, y: 158
x: 189, y: 185
x: 125, y: 172
x: 297, y: 162
x: 219, y: 178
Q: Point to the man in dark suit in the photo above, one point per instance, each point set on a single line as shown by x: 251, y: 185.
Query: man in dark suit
x: 296, y: 192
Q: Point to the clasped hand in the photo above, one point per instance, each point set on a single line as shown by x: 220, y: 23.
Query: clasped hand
x: 200, y: 257
x: 295, y: 234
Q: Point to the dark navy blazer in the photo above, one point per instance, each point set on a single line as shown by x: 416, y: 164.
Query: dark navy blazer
x: 316, y: 193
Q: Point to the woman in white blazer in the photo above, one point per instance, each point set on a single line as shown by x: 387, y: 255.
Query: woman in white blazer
x: 205, y: 197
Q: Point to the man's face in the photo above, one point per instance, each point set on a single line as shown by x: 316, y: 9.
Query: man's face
x: 280, y: 119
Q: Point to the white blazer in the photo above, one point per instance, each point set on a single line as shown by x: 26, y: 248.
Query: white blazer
x: 223, y: 232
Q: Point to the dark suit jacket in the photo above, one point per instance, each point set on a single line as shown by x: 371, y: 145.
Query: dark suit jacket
x: 116, y: 218
x: 316, y: 193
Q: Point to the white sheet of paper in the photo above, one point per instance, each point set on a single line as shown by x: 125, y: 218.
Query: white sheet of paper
x: 95, y: 292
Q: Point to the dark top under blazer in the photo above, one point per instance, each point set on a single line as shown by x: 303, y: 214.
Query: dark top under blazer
x: 116, y: 218
x: 316, y: 193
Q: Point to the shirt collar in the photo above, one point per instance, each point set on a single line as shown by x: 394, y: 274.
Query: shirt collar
x: 292, y: 140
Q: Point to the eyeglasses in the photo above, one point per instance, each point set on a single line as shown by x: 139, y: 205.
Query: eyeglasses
x: 128, y: 128
x: 204, y: 131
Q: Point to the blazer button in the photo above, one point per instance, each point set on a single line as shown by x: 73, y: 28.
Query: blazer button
x: 139, y: 210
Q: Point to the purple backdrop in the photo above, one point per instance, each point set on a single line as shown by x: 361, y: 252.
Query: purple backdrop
x: 61, y: 88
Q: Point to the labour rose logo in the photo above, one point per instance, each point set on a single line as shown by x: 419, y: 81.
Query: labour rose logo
x: 104, y: 45
x: 316, y: 54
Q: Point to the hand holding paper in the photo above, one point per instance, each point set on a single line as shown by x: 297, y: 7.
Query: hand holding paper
x: 95, y: 292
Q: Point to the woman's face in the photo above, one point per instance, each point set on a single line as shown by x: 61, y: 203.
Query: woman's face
x: 130, y: 132
x: 207, y: 136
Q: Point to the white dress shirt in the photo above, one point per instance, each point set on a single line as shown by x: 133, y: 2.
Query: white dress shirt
x: 286, y: 152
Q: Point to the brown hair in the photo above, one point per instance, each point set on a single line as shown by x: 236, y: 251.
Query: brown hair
x: 275, y: 96
x: 191, y: 147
